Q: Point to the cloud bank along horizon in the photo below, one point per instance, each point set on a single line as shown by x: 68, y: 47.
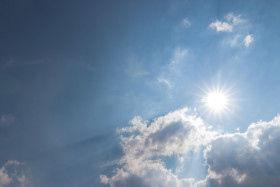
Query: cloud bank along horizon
x: 247, y: 158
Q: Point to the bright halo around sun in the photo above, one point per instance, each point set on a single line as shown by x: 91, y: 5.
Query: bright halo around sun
x: 216, y: 101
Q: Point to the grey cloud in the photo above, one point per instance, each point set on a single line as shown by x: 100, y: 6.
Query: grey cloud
x: 246, y: 159
x: 145, y: 143
x: 236, y: 159
x: 174, y: 133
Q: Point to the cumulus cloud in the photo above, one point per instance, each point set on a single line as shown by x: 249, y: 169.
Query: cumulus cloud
x: 238, y: 29
x: 248, y: 40
x: 13, y: 173
x: 221, y: 26
x: 228, y: 25
x: 174, y: 133
x: 236, y: 159
x: 246, y: 159
x: 145, y: 143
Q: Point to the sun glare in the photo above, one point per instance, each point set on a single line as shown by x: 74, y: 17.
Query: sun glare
x: 216, y: 101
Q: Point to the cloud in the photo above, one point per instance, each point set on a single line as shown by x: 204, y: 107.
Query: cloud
x: 145, y: 143
x: 248, y: 40
x: 134, y: 67
x: 234, y: 41
x: 13, y: 173
x: 228, y: 25
x: 221, y: 26
x: 233, y: 19
x: 186, y: 23
x: 164, y: 81
x: 7, y: 120
x: 15, y: 62
x: 179, y: 53
x: 246, y: 159
x: 238, y: 29
x: 236, y: 159
x: 175, y: 133
x: 171, y: 73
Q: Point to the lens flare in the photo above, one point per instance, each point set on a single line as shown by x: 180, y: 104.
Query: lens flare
x: 216, y: 101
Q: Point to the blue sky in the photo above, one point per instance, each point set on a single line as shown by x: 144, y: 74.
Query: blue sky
x: 78, y: 78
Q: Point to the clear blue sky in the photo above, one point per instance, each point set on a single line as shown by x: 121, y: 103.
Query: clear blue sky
x: 73, y: 72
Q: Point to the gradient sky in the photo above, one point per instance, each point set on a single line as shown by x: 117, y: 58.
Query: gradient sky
x: 73, y: 73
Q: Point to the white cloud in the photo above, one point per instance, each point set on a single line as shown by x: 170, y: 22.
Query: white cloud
x: 175, y: 133
x: 248, y: 40
x: 233, y: 159
x: 228, y: 25
x: 221, y: 26
x: 13, y: 173
x: 144, y: 144
x: 237, y: 26
x: 186, y: 23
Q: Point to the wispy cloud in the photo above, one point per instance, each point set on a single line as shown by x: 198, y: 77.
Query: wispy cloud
x: 7, y: 120
x: 234, y: 41
x: 234, y: 19
x: 164, y: 81
x: 134, y: 67
x: 240, y: 159
x: 186, y: 22
x: 173, y: 70
x: 179, y: 53
x: 14, y: 62
x: 248, y: 40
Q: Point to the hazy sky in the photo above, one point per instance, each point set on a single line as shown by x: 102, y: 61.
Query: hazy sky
x: 110, y: 93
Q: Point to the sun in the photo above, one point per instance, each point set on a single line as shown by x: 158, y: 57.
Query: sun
x: 216, y: 101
